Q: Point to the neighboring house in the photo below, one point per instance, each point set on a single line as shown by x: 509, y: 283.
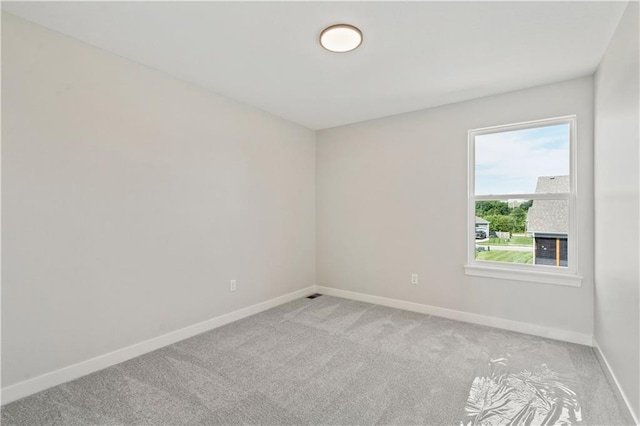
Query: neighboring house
x: 482, y: 224
x: 548, y: 222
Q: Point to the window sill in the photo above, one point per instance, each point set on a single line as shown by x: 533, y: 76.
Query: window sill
x: 519, y: 275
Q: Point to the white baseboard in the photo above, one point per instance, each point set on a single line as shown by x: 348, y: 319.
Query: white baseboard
x: 521, y: 327
x: 606, y: 367
x: 66, y: 374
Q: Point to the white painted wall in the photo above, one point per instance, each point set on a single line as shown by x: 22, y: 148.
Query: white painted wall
x: 617, y: 206
x: 130, y: 199
x: 392, y: 200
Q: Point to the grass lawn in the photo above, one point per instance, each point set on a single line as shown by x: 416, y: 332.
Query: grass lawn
x: 506, y: 256
x: 513, y: 241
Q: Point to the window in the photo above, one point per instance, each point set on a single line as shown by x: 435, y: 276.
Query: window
x: 522, y: 198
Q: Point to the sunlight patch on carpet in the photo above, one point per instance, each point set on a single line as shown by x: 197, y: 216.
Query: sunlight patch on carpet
x: 523, y: 398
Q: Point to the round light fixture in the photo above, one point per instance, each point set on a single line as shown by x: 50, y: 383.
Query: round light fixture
x: 341, y: 38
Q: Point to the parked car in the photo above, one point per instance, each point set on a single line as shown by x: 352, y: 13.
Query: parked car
x: 480, y: 234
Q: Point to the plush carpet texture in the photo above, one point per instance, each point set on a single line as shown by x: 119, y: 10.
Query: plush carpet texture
x: 334, y: 361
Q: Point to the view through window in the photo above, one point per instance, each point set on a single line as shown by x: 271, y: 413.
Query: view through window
x: 521, y: 190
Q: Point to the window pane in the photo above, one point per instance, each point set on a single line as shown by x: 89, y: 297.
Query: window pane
x: 512, y: 162
x: 522, y: 231
x: 548, y: 224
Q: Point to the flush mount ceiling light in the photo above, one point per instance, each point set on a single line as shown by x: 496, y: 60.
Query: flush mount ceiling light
x: 341, y: 38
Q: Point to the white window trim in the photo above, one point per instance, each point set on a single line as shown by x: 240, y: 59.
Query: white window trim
x: 567, y: 276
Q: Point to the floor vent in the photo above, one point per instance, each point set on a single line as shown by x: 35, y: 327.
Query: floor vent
x: 314, y: 295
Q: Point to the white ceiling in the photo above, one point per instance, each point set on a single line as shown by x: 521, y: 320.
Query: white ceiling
x: 415, y: 55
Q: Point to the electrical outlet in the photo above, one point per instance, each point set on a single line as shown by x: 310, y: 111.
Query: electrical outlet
x: 232, y: 285
x: 414, y: 278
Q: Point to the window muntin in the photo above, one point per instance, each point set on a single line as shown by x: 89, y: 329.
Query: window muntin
x: 521, y: 179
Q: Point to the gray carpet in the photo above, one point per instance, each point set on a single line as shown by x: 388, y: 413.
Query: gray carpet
x: 335, y: 361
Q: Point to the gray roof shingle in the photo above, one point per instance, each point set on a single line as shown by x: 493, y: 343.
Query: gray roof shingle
x: 549, y: 216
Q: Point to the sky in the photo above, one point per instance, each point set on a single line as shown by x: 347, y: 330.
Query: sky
x: 510, y: 162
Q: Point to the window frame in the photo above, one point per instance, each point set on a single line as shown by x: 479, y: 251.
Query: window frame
x: 545, y: 274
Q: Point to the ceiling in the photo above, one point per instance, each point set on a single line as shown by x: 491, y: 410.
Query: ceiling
x: 415, y: 55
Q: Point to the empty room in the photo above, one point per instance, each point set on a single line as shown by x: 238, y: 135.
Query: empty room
x: 320, y: 213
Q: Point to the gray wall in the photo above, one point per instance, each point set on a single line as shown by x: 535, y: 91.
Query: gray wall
x: 392, y: 200
x: 617, y: 206
x: 130, y: 199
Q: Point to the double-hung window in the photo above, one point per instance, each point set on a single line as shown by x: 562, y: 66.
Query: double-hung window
x: 522, y: 202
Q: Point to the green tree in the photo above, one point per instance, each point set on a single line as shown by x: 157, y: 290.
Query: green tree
x: 520, y: 217
x: 526, y: 205
x: 501, y: 223
x: 485, y: 208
